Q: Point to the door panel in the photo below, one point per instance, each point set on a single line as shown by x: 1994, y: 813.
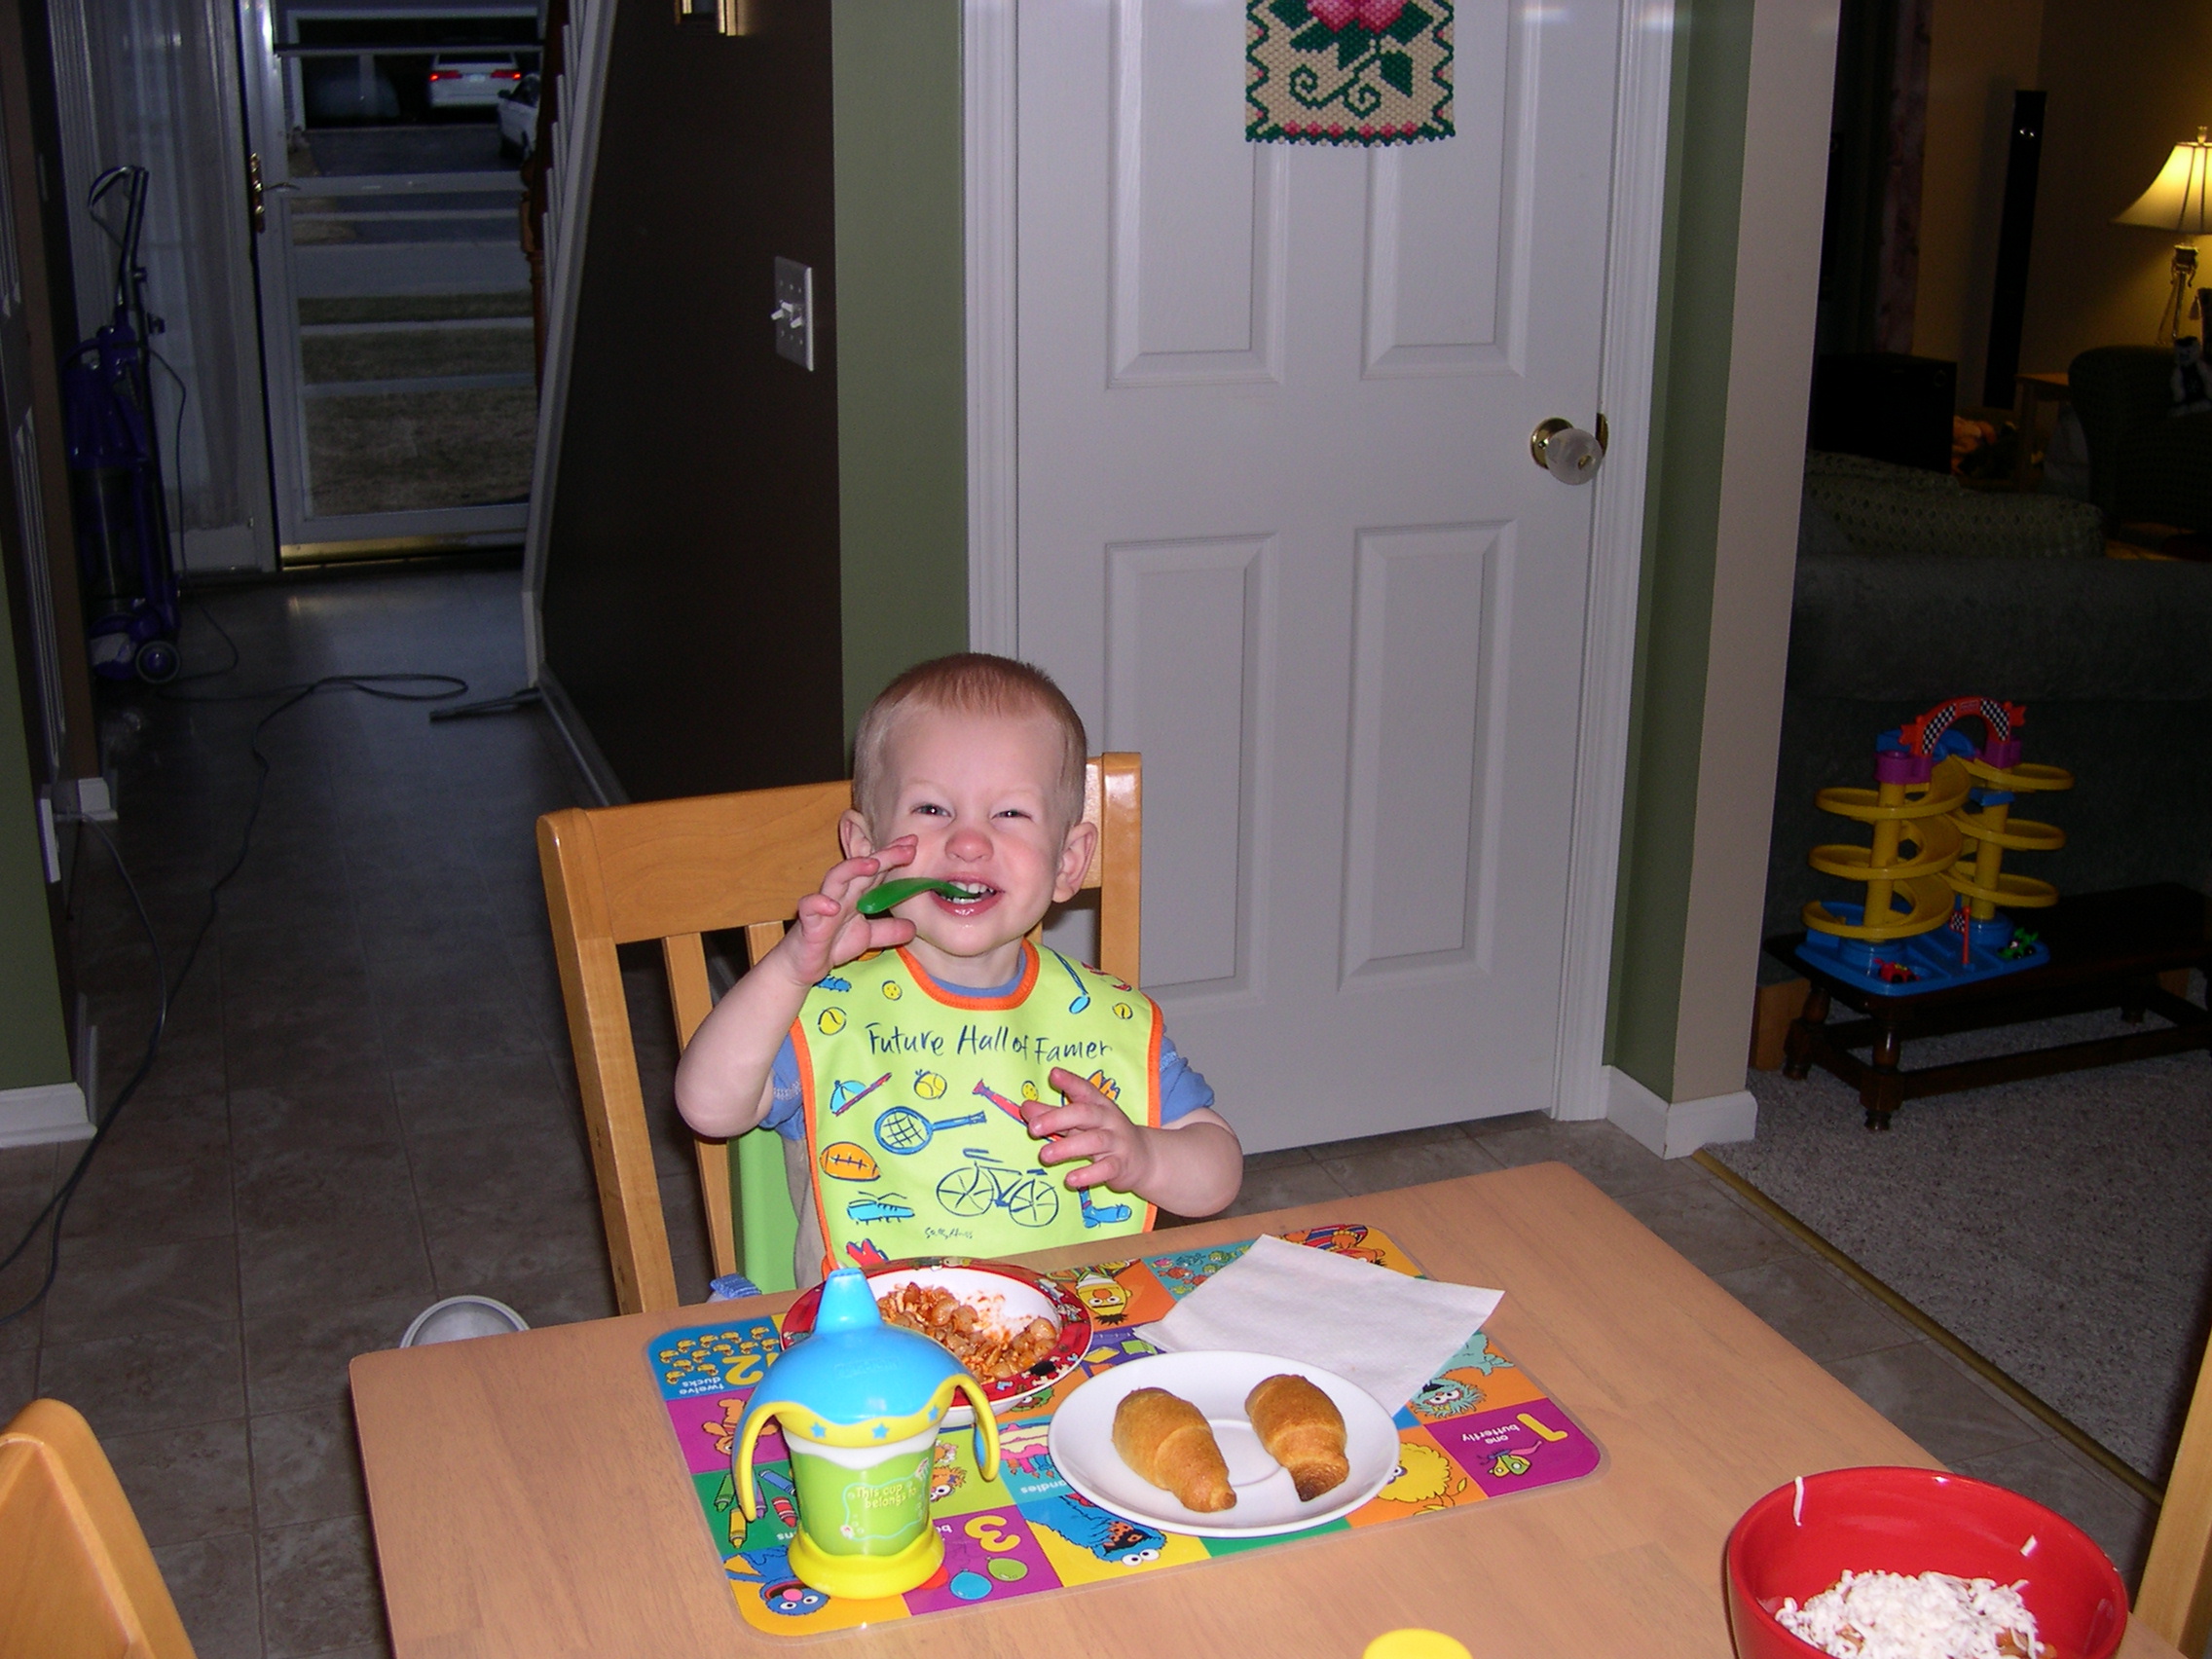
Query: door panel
x: 1184, y: 628
x: 1199, y: 260
x: 1280, y: 530
x: 1423, y: 631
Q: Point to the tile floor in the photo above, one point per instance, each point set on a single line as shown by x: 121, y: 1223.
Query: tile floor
x: 363, y: 1101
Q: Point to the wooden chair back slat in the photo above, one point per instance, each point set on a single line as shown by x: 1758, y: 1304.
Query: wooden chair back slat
x: 673, y: 870
x: 692, y: 999
x: 2176, y: 1598
x: 77, y: 1580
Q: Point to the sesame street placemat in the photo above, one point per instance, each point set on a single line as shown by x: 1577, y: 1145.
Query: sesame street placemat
x: 1481, y: 1429
x: 1347, y: 71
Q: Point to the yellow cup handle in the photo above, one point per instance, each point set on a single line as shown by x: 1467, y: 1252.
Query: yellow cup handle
x: 747, y: 1498
x: 987, y: 1428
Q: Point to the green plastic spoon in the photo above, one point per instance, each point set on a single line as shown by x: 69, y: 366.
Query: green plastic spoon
x: 876, y: 901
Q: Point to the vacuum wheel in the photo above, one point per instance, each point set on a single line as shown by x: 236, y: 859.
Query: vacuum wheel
x: 158, y: 662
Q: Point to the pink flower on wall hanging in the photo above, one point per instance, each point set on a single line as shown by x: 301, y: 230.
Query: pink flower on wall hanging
x: 1347, y: 71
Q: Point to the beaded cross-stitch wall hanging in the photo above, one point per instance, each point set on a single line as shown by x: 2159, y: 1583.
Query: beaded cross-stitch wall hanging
x: 1347, y: 71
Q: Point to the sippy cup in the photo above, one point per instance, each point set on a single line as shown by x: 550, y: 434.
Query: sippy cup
x: 859, y: 1403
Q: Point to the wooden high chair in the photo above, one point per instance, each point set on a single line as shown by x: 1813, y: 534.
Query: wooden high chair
x: 77, y: 1580
x: 675, y: 869
x: 2175, y: 1600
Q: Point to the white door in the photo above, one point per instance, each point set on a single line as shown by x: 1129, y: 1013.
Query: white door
x: 1280, y: 530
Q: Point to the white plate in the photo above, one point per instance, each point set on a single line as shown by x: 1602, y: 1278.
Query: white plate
x: 1082, y: 1445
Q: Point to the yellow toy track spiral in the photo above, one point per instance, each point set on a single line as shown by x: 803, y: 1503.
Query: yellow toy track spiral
x: 1977, y: 873
x: 1925, y: 817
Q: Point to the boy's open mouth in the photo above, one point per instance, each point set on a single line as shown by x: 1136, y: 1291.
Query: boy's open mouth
x: 978, y: 895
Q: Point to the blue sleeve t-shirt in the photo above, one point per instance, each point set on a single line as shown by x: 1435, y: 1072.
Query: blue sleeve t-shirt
x: 1182, y: 1089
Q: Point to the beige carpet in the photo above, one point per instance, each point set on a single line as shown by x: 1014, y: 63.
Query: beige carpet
x: 2062, y: 1227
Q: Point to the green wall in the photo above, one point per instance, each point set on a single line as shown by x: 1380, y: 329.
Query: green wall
x: 901, y: 380
x: 34, y: 1043
x: 1697, y: 298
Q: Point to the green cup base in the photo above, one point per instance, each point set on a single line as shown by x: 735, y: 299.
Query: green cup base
x: 867, y: 1578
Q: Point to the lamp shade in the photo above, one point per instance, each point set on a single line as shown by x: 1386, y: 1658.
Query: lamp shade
x: 2177, y: 199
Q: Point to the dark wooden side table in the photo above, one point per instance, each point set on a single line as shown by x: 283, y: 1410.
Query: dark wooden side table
x: 2029, y: 394
x: 2106, y: 951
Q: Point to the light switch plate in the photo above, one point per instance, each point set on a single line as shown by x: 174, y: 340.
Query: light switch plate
x: 794, y: 316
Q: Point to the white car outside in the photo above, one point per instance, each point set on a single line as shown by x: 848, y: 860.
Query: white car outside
x: 472, y: 80
x: 517, y: 118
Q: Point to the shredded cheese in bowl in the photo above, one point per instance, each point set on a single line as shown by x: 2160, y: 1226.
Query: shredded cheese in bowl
x: 1886, y: 1616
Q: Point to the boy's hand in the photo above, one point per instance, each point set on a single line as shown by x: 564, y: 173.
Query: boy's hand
x: 831, y: 930
x: 1091, y: 1125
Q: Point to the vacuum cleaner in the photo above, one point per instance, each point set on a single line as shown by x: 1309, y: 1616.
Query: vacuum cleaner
x: 131, y: 591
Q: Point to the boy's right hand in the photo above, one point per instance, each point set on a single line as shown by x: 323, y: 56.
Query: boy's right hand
x: 831, y: 930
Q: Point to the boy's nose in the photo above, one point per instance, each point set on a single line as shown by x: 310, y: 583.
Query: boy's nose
x: 968, y: 842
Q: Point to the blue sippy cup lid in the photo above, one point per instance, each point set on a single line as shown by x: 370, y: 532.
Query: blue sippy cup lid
x: 855, y: 1368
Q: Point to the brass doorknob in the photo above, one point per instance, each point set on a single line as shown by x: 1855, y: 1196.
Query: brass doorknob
x: 1567, y: 452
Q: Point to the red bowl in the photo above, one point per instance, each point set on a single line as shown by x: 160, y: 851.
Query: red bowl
x: 1911, y: 1522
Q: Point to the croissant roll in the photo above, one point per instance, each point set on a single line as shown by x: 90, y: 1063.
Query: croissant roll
x: 1303, y: 1430
x: 1167, y: 1441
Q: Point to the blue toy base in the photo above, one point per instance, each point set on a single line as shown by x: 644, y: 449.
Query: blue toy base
x: 1926, y: 962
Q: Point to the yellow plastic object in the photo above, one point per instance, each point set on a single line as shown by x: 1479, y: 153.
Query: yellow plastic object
x: 1923, y: 816
x: 861, y: 1578
x: 1978, y: 873
x: 1415, y: 1645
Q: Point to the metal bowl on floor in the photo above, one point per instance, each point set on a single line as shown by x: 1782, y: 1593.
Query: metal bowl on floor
x: 460, y: 1316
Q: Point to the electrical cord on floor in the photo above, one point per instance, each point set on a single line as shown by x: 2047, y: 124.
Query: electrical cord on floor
x: 206, y: 611
x: 385, y: 686
x: 176, y: 451
x: 58, y: 1205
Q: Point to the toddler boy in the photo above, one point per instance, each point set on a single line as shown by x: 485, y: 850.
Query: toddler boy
x: 909, y: 1059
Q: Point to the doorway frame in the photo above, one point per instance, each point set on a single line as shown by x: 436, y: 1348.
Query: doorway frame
x: 302, y: 535
x: 1643, y: 99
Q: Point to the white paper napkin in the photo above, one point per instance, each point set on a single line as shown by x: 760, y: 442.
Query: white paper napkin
x: 1384, y: 1330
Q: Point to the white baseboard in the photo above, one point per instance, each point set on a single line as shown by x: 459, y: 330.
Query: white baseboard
x: 1677, y: 1129
x: 228, y: 547
x: 46, y: 1113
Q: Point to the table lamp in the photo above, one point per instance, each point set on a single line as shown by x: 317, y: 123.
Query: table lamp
x: 2176, y: 202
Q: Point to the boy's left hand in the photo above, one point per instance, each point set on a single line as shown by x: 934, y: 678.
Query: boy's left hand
x: 1091, y: 1125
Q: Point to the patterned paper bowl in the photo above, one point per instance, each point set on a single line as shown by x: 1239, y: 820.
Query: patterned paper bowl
x: 1022, y: 1296
x: 1801, y: 1538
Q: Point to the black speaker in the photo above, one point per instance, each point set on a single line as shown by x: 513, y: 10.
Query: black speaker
x: 1885, y: 405
x: 2015, y: 233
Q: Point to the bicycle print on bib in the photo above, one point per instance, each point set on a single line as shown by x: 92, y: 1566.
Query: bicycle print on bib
x: 913, y: 1099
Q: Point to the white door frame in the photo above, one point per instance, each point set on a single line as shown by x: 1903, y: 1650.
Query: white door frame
x: 580, y: 94
x: 1630, y: 326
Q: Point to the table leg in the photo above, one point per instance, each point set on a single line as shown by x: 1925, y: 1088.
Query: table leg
x: 1882, y: 1093
x: 1798, y: 1047
x: 2134, y: 1000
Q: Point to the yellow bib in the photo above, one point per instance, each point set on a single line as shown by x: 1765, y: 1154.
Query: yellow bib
x: 913, y: 1099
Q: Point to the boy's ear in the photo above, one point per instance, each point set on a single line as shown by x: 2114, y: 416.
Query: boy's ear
x: 853, y: 834
x: 1075, y: 859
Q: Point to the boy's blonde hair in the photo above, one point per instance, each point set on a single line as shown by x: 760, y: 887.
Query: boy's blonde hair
x: 971, y: 683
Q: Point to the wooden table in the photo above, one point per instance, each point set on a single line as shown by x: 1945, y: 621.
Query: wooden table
x: 528, y: 1501
x: 2106, y: 951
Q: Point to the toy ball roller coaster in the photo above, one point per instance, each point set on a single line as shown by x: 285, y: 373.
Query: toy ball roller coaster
x: 1941, y: 816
